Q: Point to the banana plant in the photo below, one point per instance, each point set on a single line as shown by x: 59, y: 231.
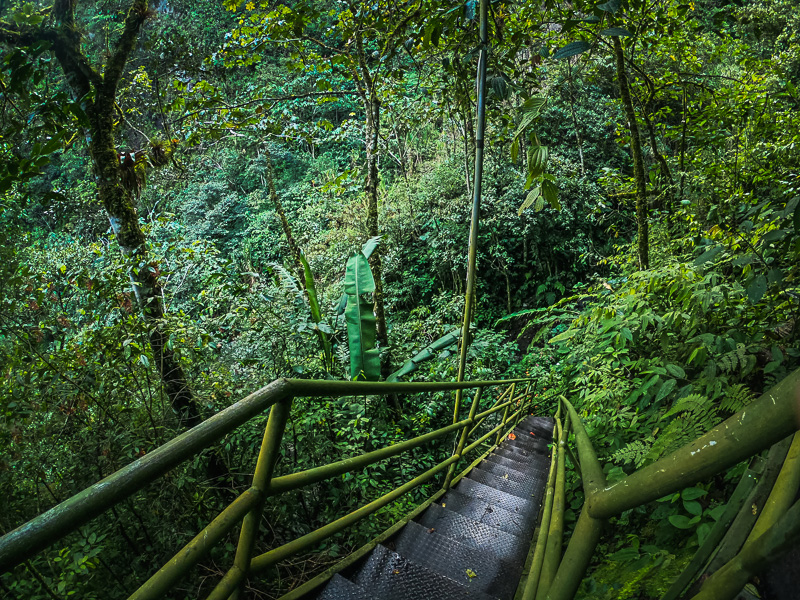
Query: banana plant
x: 427, y: 353
x: 359, y: 285
x: 316, y: 314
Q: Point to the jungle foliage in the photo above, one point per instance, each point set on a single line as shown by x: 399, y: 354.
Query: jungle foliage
x: 297, y: 176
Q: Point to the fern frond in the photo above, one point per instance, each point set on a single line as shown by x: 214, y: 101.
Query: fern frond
x: 694, y: 415
x: 736, y: 398
x: 635, y: 452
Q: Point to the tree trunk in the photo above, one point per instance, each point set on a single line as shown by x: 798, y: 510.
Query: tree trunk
x: 367, y: 90
x: 638, y: 162
x: 116, y: 199
x: 372, y: 132
x: 294, y: 249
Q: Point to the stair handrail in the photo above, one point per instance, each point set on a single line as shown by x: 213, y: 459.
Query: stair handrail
x: 769, y: 419
x: 25, y: 541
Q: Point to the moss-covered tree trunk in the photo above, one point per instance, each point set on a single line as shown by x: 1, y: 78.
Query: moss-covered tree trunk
x: 294, y: 249
x: 372, y: 107
x: 97, y: 92
x: 643, y: 243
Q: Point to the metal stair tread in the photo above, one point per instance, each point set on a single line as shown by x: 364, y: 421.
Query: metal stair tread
x: 341, y: 588
x: 389, y: 576
x: 519, y: 523
x: 456, y: 561
x: 525, y: 440
x: 516, y: 488
x: 495, y: 497
x: 514, y: 452
x: 500, y: 469
x: 473, y: 533
x: 517, y: 465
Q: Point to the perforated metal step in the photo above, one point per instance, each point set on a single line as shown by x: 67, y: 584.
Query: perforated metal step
x: 515, y: 452
x: 501, y: 470
x: 517, y: 465
x: 472, y: 568
x: 509, y: 502
x: 530, y: 437
x: 516, y: 488
x: 339, y: 588
x: 518, y: 523
x: 389, y: 576
x: 504, y: 545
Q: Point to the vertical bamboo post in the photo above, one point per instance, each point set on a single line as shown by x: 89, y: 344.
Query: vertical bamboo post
x: 505, y: 416
x: 462, y: 440
x: 469, y: 295
x: 270, y: 448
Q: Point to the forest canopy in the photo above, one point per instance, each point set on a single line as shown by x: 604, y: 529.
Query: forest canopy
x: 199, y: 198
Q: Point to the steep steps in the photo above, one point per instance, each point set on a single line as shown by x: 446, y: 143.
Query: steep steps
x: 473, y: 542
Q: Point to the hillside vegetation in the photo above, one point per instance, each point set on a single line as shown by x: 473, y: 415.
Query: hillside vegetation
x: 186, y: 188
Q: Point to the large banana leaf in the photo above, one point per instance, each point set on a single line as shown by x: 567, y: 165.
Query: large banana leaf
x: 316, y: 313
x: 427, y: 353
x: 365, y: 362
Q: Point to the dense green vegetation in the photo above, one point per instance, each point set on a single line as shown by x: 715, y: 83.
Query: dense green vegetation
x: 196, y: 199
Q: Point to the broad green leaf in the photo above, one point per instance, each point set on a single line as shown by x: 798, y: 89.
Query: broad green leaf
x: 680, y: 521
x: 702, y: 532
x: 616, y: 32
x: 537, y: 160
x: 611, y: 6
x: 369, y: 246
x: 666, y: 388
x: 572, y: 49
x: 757, y: 289
x: 515, y: 150
x: 564, y: 336
x: 796, y: 219
x: 365, y: 361
x: 693, y: 507
x: 360, y: 319
x: 533, y: 105
x: 550, y: 193
x: 429, y: 352
x: 316, y: 313
x: 693, y: 493
x: 676, y: 371
x: 708, y: 255
x: 529, y: 200
x: 358, y: 276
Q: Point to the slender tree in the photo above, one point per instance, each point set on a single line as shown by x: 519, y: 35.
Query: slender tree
x: 643, y: 244
x: 95, y: 88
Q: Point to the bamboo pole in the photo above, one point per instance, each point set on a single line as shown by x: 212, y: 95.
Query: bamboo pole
x: 472, y: 255
x: 555, y: 537
x: 728, y: 582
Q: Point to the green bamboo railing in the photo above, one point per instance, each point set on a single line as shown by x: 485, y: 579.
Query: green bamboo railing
x: 771, y: 418
x: 762, y: 424
x: 36, y: 535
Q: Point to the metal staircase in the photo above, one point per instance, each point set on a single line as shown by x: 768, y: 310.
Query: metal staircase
x: 473, y: 542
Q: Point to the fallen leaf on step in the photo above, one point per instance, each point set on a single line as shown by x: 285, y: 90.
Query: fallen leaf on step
x: 443, y: 505
x: 431, y: 530
x: 511, y: 436
x: 395, y: 572
x: 471, y: 573
x: 505, y: 476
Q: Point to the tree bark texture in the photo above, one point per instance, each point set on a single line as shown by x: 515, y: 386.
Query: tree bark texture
x: 97, y: 94
x: 643, y: 245
x: 294, y: 249
x: 372, y: 108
